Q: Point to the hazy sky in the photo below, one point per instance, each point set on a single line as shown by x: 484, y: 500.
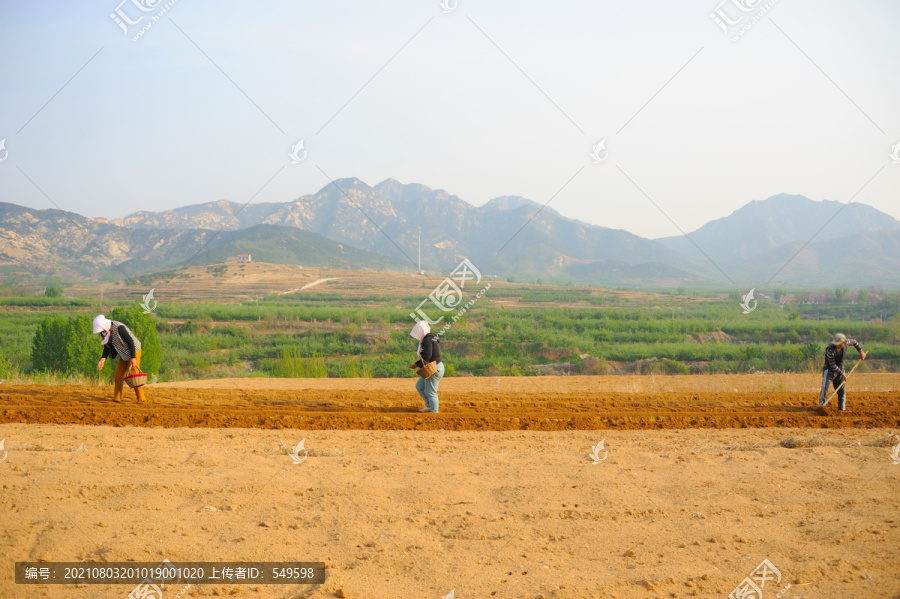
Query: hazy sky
x: 489, y: 99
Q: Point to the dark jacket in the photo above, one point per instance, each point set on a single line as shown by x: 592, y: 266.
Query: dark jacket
x: 431, y: 350
x: 110, y: 351
x: 834, y: 357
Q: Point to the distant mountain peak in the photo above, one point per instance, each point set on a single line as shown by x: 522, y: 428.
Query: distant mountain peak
x: 406, y: 189
x: 511, y: 203
x: 389, y: 183
x: 785, y: 200
x: 347, y: 183
x: 762, y: 226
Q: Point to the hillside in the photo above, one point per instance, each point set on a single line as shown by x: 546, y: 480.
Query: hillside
x: 783, y: 220
x: 289, y: 245
x: 42, y: 242
x: 209, y: 215
x: 853, y: 261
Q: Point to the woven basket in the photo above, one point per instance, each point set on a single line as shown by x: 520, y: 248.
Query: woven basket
x: 136, y: 380
x: 427, y: 370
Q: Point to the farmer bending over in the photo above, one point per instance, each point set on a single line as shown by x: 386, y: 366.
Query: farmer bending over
x: 833, y: 371
x: 119, y: 341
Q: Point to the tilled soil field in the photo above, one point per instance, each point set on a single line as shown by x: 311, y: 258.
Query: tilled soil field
x: 481, y: 509
x: 466, y: 404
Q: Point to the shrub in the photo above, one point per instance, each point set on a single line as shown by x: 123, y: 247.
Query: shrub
x: 65, y: 346
x: 593, y: 365
x: 48, y: 347
x: 292, y: 365
x: 144, y: 328
x: 7, y: 370
x: 675, y: 367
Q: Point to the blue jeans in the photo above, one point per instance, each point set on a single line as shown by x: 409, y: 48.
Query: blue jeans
x: 427, y: 388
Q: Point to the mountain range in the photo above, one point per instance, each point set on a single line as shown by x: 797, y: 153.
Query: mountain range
x: 350, y: 224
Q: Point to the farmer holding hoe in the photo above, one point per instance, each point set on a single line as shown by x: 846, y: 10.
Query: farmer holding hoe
x: 119, y: 341
x: 833, y: 370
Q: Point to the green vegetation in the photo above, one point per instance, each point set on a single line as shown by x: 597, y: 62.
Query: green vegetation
x: 144, y: 328
x: 67, y: 345
x: 512, y: 330
x: 292, y: 365
x: 60, y: 345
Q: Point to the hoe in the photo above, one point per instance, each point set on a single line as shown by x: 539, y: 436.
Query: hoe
x: 844, y: 382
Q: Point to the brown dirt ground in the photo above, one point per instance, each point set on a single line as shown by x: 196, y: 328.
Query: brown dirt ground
x: 467, y: 403
x: 803, y: 383
x: 505, y: 514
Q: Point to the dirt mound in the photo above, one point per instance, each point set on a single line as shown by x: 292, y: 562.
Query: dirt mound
x: 380, y: 409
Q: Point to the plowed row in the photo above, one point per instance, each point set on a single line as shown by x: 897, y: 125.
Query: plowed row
x: 377, y: 409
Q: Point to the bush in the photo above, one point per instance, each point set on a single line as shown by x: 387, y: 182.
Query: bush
x: 48, y: 347
x: 7, y: 370
x: 292, y: 365
x: 144, y: 328
x: 675, y: 367
x: 351, y: 369
x: 82, y: 347
x: 593, y: 365
x: 53, y: 291
x: 65, y: 346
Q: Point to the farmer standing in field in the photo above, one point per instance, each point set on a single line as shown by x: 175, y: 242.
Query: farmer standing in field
x: 118, y: 341
x: 429, y: 351
x: 833, y: 370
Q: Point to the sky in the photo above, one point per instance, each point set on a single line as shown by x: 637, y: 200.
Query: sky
x: 479, y: 99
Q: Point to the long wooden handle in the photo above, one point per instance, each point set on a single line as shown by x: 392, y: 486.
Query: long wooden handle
x: 842, y: 383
